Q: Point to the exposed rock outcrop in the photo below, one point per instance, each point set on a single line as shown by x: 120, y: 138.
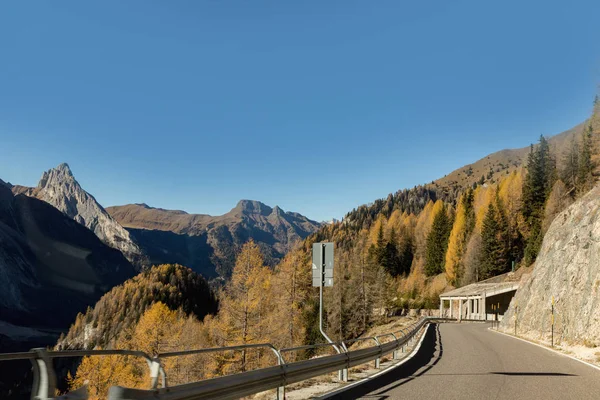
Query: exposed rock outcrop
x: 568, y: 268
x: 59, y: 188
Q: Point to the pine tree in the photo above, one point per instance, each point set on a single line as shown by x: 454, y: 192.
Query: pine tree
x: 391, y: 258
x: 540, y: 178
x: 496, y: 243
x: 406, y: 254
x: 437, y: 243
x: 570, y: 171
x: 585, y: 166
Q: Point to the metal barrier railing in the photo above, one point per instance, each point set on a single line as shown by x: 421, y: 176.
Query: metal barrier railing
x: 225, y: 387
x: 44, y: 377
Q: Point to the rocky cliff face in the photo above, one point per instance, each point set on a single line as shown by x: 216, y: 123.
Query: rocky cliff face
x: 59, y: 188
x: 50, y: 266
x: 568, y: 268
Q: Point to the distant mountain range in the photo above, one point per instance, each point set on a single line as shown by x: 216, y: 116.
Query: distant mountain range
x: 60, y: 250
x: 208, y: 244
x: 149, y: 236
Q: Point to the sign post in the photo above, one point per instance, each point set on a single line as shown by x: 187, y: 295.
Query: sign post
x: 322, y: 268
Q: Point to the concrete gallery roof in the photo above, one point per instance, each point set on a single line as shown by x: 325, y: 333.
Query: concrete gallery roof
x: 481, y: 289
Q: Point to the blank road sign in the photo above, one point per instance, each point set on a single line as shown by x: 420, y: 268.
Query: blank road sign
x: 322, y: 264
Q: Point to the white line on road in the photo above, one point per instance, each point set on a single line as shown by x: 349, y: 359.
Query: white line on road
x: 547, y: 348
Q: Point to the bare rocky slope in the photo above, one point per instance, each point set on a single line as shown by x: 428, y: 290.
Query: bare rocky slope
x: 51, y: 267
x: 208, y: 244
x: 59, y: 188
x: 568, y: 268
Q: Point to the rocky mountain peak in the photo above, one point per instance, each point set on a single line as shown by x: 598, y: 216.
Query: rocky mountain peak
x: 59, y: 175
x: 253, y: 207
x: 59, y: 188
x: 277, y: 211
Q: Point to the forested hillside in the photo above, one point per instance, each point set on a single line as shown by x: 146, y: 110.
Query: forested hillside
x: 119, y: 310
x: 402, y: 251
x: 158, y: 311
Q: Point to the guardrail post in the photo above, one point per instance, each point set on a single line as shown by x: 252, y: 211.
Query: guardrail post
x: 281, y: 393
x: 155, y: 370
x: 44, y: 379
x: 281, y: 362
x: 395, y: 353
x: 344, y: 372
x: 378, y: 359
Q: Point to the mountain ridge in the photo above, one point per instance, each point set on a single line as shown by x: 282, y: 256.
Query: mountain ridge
x: 58, y: 187
x: 123, y: 214
x: 201, y: 240
x: 501, y: 162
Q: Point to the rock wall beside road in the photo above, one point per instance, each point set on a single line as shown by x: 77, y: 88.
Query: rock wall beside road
x: 568, y: 269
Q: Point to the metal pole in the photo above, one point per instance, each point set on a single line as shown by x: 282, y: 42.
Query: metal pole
x: 321, y: 308
x: 343, y: 373
x: 321, y: 320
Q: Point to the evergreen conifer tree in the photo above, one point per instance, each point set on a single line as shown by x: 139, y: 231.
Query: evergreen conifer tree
x: 437, y: 243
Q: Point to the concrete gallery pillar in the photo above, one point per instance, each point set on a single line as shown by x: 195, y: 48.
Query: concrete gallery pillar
x: 460, y: 314
x: 468, y: 308
x: 441, y: 308
x: 483, y: 309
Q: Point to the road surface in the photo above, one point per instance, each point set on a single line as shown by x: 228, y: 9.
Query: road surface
x: 467, y: 361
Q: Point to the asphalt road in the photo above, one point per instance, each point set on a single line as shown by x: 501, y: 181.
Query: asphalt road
x: 466, y: 361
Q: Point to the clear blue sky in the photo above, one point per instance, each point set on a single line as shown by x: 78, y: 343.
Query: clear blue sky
x: 316, y: 106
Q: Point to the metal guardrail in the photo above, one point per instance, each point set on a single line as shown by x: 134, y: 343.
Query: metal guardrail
x: 230, y: 386
x: 44, y: 377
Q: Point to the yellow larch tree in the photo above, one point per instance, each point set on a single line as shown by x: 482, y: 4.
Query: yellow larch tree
x: 456, y: 244
x: 380, y: 223
x: 422, y: 227
x: 395, y: 221
x: 483, y: 196
x: 157, y: 331
x: 292, y: 281
x: 244, y: 307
